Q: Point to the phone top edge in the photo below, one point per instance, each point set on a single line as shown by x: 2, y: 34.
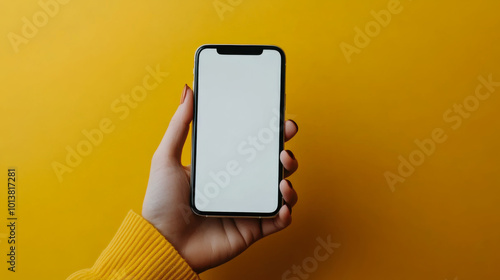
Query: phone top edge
x: 264, y: 47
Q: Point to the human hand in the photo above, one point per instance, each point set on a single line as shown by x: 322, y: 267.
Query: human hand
x: 204, y: 242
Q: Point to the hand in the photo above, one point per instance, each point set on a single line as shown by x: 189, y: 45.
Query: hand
x: 204, y: 242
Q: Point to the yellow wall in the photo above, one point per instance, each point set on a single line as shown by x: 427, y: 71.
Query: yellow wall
x: 355, y: 119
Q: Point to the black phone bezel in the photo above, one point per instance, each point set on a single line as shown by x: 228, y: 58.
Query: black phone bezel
x: 237, y: 50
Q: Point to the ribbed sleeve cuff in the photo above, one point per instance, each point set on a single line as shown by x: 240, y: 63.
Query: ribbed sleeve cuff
x: 138, y: 251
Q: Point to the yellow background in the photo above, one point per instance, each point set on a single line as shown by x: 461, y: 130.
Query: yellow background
x: 355, y: 120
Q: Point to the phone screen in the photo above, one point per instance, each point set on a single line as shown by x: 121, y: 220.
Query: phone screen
x: 237, y: 130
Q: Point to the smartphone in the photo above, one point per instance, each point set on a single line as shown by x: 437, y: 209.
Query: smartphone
x: 237, y: 133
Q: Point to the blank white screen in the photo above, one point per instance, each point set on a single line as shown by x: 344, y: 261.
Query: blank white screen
x: 237, y: 141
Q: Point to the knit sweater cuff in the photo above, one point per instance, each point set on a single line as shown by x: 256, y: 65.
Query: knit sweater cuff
x: 138, y: 251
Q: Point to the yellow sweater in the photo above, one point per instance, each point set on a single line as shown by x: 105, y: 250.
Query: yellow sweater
x: 138, y: 251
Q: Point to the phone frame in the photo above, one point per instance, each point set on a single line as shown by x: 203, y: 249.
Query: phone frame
x: 238, y: 50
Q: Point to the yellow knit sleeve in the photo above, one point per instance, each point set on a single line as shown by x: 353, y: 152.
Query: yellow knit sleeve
x: 138, y: 251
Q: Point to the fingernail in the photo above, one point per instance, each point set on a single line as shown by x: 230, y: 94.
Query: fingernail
x: 295, y: 125
x: 290, y: 154
x: 184, y: 93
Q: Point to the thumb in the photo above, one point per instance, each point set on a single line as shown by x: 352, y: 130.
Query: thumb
x: 177, y: 131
